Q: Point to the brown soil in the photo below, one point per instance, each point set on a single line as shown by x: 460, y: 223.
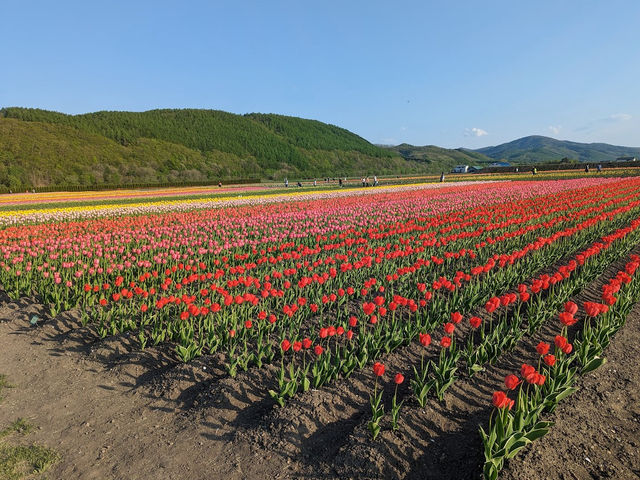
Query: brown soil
x: 114, y: 412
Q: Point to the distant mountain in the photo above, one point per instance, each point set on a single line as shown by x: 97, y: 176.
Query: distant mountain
x: 439, y: 159
x: 538, y: 149
x: 44, y: 148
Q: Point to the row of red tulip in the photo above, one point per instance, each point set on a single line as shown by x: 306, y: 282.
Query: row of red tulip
x: 541, y: 388
x: 377, y: 310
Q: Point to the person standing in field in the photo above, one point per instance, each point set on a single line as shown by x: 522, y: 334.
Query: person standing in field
x: 442, y: 177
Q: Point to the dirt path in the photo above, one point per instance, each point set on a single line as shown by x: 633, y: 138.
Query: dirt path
x: 109, y: 412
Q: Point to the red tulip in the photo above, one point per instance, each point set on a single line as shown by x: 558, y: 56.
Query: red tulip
x: 368, y: 308
x: 511, y: 381
x: 491, y: 306
x: 378, y: 369
x: 399, y: 378
x: 527, y: 370
x: 534, y: 378
x: 500, y: 400
x: 571, y: 308
x: 542, y: 348
x: 560, y: 341
x: 567, y: 318
x: 593, y: 309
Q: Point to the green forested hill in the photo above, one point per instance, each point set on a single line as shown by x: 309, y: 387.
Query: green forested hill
x: 311, y: 134
x: 438, y: 159
x: 42, y: 154
x: 39, y: 147
x: 538, y: 149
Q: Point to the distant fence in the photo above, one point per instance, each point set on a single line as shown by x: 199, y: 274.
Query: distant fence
x: 350, y: 180
x: 127, y: 186
x: 543, y: 167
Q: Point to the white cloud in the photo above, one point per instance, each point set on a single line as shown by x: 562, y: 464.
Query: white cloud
x: 554, y: 129
x: 474, y: 132
x: 620, y: 117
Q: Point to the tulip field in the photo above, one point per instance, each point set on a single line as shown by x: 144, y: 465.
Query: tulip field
x: 403, y: 307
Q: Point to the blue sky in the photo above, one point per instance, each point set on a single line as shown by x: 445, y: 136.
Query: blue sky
x: 449, y: 73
